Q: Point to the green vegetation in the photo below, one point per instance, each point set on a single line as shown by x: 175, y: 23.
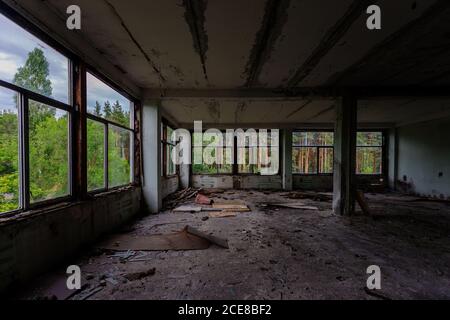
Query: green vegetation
x: 49, y: 142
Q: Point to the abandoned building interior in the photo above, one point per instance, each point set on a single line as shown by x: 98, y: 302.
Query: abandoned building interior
x: 360, y: 118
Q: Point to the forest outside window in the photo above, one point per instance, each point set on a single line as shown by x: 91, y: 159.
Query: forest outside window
x: 35, y: 118
x: 110, y: 134
x: 221, y: 153
x: 262, y: 155
x: 369, y: 153
x: 312, y: 152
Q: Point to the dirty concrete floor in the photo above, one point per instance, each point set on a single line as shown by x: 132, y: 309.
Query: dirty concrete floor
x: 287, y: 254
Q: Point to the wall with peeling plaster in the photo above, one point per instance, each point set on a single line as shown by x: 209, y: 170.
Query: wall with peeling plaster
x: 424, y: 158
x: 169, y: 185
x: 34, y: 244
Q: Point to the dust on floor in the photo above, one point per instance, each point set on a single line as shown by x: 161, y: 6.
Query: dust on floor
x: 282, y: 253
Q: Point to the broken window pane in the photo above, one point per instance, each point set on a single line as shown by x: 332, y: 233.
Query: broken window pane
x: 107, y: 103
x: 49, y: 152
x: 9, y: 151
x: 30, y: 63
x: 119, y: 156
x: 95, y: 155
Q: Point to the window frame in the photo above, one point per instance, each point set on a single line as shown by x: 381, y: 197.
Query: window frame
x: 76, y: 108
x: 318, y: 148
x: 383, y: 159
x: 24, y: 96
x: 383, y: 152
x: 235, y: 166
x: 165, y: 143
x: 107, y: 123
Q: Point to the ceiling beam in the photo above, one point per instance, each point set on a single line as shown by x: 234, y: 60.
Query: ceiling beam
x: 275, y: 16
x: 332, y: 37
x: 327, y: 125
x: 303, y: 93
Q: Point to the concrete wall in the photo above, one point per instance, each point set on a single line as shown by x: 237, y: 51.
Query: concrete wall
x: 37, y: 241
x: 424, y: 159
x: 170, y: 185
x: 236, y: 182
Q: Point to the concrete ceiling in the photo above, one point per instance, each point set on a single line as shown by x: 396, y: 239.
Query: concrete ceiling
x: 264, y: 43
x: 206, y: 45
x: 232, y: 112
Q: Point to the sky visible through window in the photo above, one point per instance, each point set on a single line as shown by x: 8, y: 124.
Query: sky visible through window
x: 15, y: 45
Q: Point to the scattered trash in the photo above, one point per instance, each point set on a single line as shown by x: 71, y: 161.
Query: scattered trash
x: 139, y: 275
x: 89, y: 293
x: 179, y: 197
x: 201, y: 199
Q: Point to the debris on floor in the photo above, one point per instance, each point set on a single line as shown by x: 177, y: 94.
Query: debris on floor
x: 179, y: 197
x: 188, y: 208
x: 202, y: 199
x: 315, y: 196
x: 222, y: 214
x: 294, y: 205
x: 139, y: 275
x: 182, y: 240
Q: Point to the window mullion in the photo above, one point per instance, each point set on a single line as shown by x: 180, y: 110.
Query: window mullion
x: 24, y: 189
x: 106, y: 157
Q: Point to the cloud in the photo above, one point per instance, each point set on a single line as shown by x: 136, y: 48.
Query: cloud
x: 16, y: 44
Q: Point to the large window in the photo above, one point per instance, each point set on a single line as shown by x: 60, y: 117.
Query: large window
x: 110, y: 133
x: 35, y: 120
x: 200, y: 152
x: 313, y: 152
x: 369, y: 153
x: 253, y: 156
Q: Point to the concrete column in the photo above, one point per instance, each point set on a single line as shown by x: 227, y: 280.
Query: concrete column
x: 392, y: 158
x: 151, y: 157
x: 185, y: 176
x: 286, y: 167
x: 344, y: 180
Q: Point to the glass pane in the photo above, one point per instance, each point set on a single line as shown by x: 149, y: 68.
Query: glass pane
x: 95, y: 155
x: 325, y: 160
x: 29, y: 63
x: 369, y: 139
x: 9, y: 151
x: 49, y: 152
x: 243, y: 156
x: 369, y: 160
x: 304, y: 160
x: 313, y: 138
x: 119, y: 156
x: 171, y: 169
x: 105, y: 102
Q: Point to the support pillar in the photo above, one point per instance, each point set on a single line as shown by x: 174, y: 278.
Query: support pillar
x: 286, y: 150
x: 392, y: 158
x: 344, y: 179
x: 151, y: 157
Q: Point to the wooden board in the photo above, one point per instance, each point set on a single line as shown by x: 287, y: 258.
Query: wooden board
x: 222, y: 214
